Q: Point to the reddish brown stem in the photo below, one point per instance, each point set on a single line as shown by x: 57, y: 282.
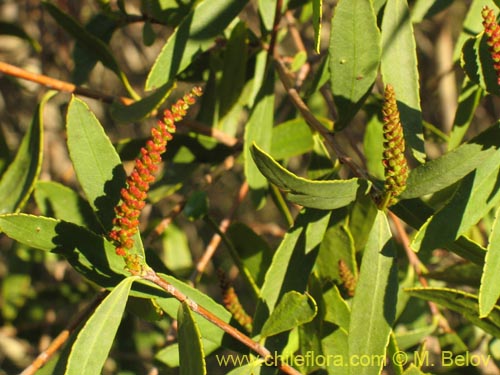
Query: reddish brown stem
x: 297, y: 39
x: 314, y: 123
x: 216, y: 239
x: 274, y: 34
x: 59, y: 85
x: 417, y: 266
x: 230, y: 330
x: 215, y: 133
x: 59, y: 341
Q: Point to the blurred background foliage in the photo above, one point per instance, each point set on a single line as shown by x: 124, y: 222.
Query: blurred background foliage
x: 40, y: 292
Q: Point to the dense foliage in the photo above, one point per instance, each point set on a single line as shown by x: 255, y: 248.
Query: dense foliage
x: 250, y: 187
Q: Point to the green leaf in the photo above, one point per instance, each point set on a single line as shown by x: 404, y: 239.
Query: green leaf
x: 293, y: 310
x: 415, y: 212
x: 465, y: 304
x: 191, y: 357
x: 267, y: 10
x: 194, y: 35
x: 426, y: 9
x: 102, y: 27
x: 337, y: 310
x: 90, y: 254
x: 338, y: 245
x: 489, y: 292
x: 291, y: 138
x: 259, y: 130
x: 176, y: 252
x: 354, y: 56
x: 335, y: 346
x: 469, y: 99
x: 254, y: 253
x: 477, y: 63
x: 472, y: 24
x: 399, y: 68
x: 374, y: 304
x: 91, y: 43
x: 19, y: 179
x: 196, y: 206
x: 141, y: 109
x: 212, y: 336
x: 477, y: 194
x: 373, y: 142
x: 59, y: 201
x: 234, y: 70
x: 409, y: 339
x: 414, y: 370
x: 444, y: 171
x: 317, y: 18
x: 97, y: 165
x: 94, y: 341
x: 292, y: 262
x: 324, y: 195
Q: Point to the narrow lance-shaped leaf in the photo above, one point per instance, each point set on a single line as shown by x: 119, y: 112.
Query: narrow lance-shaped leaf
x: 399, y: 68
x: 193, y: 36
x: 444, y: 171
x: 354, y: 56
x: 192, y: 361
x: 93, y: 45
x: 469, y: 99
x: 94, y: 341
x: 472, y: 24
x: 292, y: 262
x: 317, y: 15
x: 19, y: 179
x: 97, y: 164
x: 63, y: 203
x: 324, y: 194
x: 88, y: 253
x: 477, y: 194
x: 142, y: 108
x: 489, y: 292
x: 465, y: 304
x: 374, y: 305
x: 234, y: 71
x: 267, y: 10
x: 259, y: 130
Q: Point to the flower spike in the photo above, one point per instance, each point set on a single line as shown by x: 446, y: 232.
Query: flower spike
x: 133, y: 196
x: 492, y: 31
x: 394, y: 160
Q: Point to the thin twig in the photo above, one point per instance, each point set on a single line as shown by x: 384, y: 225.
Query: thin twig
x: 315, y: 124
x: 162, y: 225
x: 418, y: 267
x: 59, y: 341
x: 217, y: 238
x: 230, y: 330
x: 297, y: 39
x: 59, y: 85
x: 215, y: 133
x: 274, y: 34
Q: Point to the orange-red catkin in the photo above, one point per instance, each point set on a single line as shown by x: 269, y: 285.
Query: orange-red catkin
x: 492, y: 31
x: 134, y: 194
